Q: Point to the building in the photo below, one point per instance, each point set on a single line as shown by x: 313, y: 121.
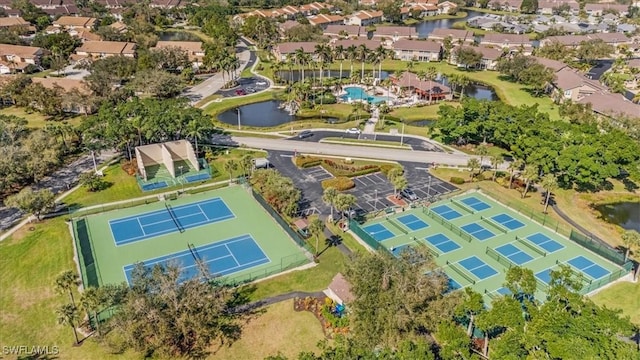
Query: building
x: 193, y: 49
x: 456, y: 36
x: 345, y: 31
x: 347, y: 43
x: 70, y: 104
x: 314, y: 8
x: 615, y: 39
x: 507, y: 5
x: 323, y: 20
x: 17, y: 58
x: 598, y: 9
x: 78, y: 23
x: 17, y: 23
x: 364, y: 18
x: 611, y: 105
x: 423, y: 89
x: 418, y: 50
x: 285, y: 51
x: 339, y: 290
x: 102, y: 49
x: 547, y: 7
x: 554, y: 65
x: 447, y: 7
x: 572, y: 85
x: 164, y: 4
x: 489, y: 60
x: 119, y: 27
x: 513, y: 42
x: 395, y: 33
x: 424, y: 9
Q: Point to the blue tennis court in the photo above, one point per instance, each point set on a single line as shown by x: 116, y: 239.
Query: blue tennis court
x: 478, y: 267
x: 396, y: 251
x: 478, y: 231
x: 475, y: 203
x: 442, y: 243
x: 446, y: 212
x: 589, y: 267
x: 503, y: 291
x: 507, y: 221
x: 154, y: 186
x: 197, y: 177
x: 221, y: 258
x: 545, y: 242
x: 514, y: 254
x: 453, y: 285
x: 379, y: 232
x: 160, y: 222
x: 544, y: 276
x: 412, y: 222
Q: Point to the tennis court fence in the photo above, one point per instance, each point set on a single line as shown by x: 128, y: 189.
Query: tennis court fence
x: 460, y: 272
x: 397, y: 226
x: 282, y: 222
x: 366, y: 237
x: 286, y: 263
x: 604, y: 281
x: 530, y: 246
x: 604, y: 251
x: 448, y: 225
x: 77, y: 212
x: 89, y: 270
x: 499, y: 258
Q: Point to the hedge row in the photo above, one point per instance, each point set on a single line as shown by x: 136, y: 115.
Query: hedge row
x: 307, y: 161
x: 456, y: 180
x: 338, y: 169
x: 339, y: 183
x: 385, y: 168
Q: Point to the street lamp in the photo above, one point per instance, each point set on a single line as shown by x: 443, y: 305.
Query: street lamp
x: 180, y: 168
x: 402, y: 135
x: 429, y: 189
x: 375, y: 203
x: 239, y: 127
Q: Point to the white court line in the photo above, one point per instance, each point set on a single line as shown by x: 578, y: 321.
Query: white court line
x: 233, y: 256
x: 203, y: 213
x: 141, y: 227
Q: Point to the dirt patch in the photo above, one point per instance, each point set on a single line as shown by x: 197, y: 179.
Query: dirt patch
x: 395, y: 201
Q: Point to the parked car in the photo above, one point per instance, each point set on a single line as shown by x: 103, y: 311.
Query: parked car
x: 250, y: 90
x: 352, y: 131
x: 408, y: 195
x: 261, y: 83
x: 304, y: 134
x: 241, y: 92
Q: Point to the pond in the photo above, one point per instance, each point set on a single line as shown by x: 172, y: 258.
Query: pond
x: 476, y: 91
x: 177, y: 36
x: 262, y: 114
x: 624, y: 214
x: 424, y: 28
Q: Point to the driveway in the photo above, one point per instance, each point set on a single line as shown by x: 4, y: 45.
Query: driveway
x: 248, y: 85
x: 415, y: 143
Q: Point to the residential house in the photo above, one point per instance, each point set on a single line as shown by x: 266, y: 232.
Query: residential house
x: 547, y: 6
x: 425, y: 9
x: 394, y: 33
x: 364, y: 18
x: 611, y: 105
x: 103, y: 49
x: 513, y: 42
x: 193, y: 49
x: 572, y: 41
x: 369, y: 44
x: 119, y: 27
x: 164, y: 4
x: 284, y: 51
x: 423, y: 89
x: 554, y: 65
x: 456, y: 36
x: 511, y: 5
x: 283, y: 27
x: 418, y: 50
x: 86, y: 35
x: 323, y: 20
x: 489, y: 60
x: 339, y: 290
x: 70, y: 104
x: 614, y: 39
x: 16, y: 58
x: 345, y: 31
x: 68, y: 23
x: 17, y: 23
x: 598, y: 9
x: 62, y: 10
x: 447, y: 7
x: 572, y: 85
x: 313, y: 8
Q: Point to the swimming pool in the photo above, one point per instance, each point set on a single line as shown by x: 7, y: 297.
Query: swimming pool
x: 357, y: 93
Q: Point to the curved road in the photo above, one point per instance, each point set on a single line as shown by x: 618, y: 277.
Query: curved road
x: 414, y: 142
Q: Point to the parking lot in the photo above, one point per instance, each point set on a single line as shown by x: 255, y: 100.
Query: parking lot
x: 245, y: 86
x: 317, y: 173
x: 372, y: 191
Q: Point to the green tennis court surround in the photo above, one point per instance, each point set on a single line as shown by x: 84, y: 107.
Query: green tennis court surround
x: 227, y: 229
x: 477, y: 248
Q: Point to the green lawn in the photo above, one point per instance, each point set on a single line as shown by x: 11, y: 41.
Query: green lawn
x: 418, y: 112
x: 36, y: 120
x: 624, y: 296
x: 230, y: 103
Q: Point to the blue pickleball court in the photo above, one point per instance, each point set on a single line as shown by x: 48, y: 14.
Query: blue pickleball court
x: 442, y: 243
x: 514, y: 254
x: 544, y: 276
x: 412, y: 222
x: 379, y: 232
x: 446, y: 212
x: 478, y: 267
x: 508, y: 221
x: 478, y: 231
x: 220, y: 258
x: 155, y: 223
x: 588, y: 267
x: 545, y: 242
x: 475, y: 203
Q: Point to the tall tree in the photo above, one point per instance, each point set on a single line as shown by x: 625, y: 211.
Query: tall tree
x: 67, y: 314
x: 631, y: 242
x: 549, y: 184
x: 530, y: 174
x: 514, y: 167
x: 496, y: 161
x: 467, y: 56
x: 65, y: 282
x: 90, y: 301
x: 473, y: 164
x: 472, y: 304
x: 316, y: 227
x: 36, y: 202
x: 344, y: 202
x: 329, y: 197
x: 230, y: 166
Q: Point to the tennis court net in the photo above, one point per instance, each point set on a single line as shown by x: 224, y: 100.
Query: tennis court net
x: 493, y: 225
x: 173, y: 217
x: 499, y: 258
x: 449, y: 226
x: 397, y: 226
x: 461, y: 207
x: 460, y: 272
x: 530, y: 246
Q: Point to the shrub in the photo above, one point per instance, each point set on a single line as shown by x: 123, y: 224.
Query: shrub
x: 456, y: 180
x: 385, y: 168
x: 479, y: 177
x: 130, y: 167
x: 341, y: 169
x: 339, y: 183
x: 307, y: 161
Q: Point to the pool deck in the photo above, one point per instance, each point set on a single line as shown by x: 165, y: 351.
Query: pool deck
x: 377, y: 89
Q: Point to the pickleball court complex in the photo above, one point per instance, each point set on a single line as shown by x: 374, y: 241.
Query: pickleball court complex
x: 476, y: 240
x: 225, y: 230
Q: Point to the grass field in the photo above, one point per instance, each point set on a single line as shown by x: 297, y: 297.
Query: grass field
x: 624, y: 296
x: 248, y: 218
x: 279, y: 330
x: 36, y: 120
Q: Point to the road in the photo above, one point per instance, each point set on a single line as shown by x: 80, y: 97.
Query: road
x: 601, y: 67
x: 345, y: 150
x: 213, y: 84
x: 415, y: 143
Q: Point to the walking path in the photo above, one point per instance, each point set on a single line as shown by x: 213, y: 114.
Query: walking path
x: 276, y: 299
x: 370, y: 126
x: 580, y: 228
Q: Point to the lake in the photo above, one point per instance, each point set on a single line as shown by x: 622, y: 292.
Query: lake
x: 177, y: 36
x: 261, y: 114
x: 624, y: 214
x: 424, y: 28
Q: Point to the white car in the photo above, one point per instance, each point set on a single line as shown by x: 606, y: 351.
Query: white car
x: 261, y: 83
x: 352, y: 131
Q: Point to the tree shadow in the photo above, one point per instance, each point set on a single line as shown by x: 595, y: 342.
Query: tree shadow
x: 629, y: 185
x: 332, y: 241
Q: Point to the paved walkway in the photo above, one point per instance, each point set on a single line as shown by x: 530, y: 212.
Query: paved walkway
x: 276, y: 299
x: 370, y: 126
x: 566, y: 217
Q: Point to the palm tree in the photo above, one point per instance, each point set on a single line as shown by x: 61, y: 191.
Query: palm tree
x: 399, y: 183
x: 514, y: 166
x: 352, y: 55
x: 195, y: 131
x: 631, y: 241
x: 549, y: 183
x: 431, y: 75
x: 421, y: 75
x: 316, y: 227
x: 362, y: 54
x: 90, y: 301
x: 65, y: 283
x: 339, y: 53
x: 276, y: 66
x: 482, y: 151
x: 380, y: 55
x: 329, y: 198
x: 496, y: 161
x: 344, y: 202
x: 300, y: 58
x: 473, y: 164
x: 68, y: 315
x: 230, y: 166
x: 410, y: 65
x: 452, y: 79
x: 245, y: 163
x: 463, y: 81
x: 530, y: 173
